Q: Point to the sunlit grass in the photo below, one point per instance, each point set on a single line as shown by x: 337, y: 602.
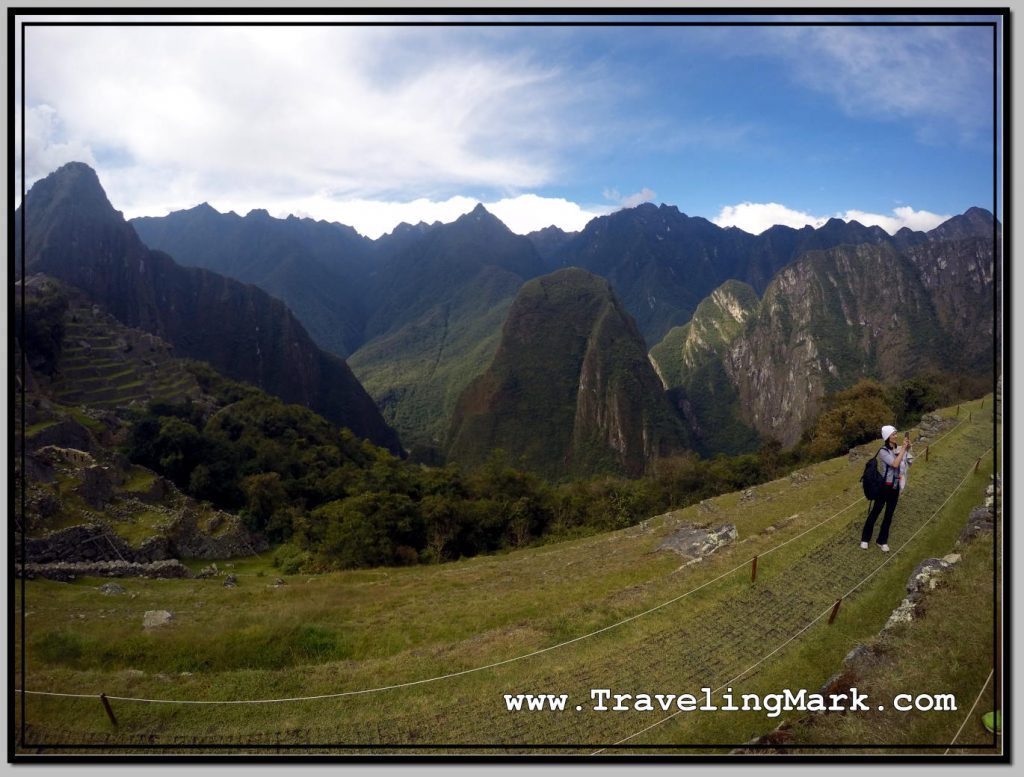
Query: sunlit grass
x: 365, y: 629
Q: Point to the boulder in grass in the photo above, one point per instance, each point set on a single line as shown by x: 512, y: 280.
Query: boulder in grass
x: 112, y: 589
x: 695, y: 542
x: 156, y: 618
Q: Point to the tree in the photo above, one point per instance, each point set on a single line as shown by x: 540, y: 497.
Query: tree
x: 679, y: 478
x: 914, y: 397
x: 264, y: 495
x: 854, y: 416
x: 770, y: 455
x: 178, y: 448
x: 365, y: 530
x: 441, y: 521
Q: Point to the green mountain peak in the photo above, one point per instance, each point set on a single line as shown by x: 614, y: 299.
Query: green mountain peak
x: 570, y: 390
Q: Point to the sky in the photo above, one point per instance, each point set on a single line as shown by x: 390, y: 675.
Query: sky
x: 370, y: 126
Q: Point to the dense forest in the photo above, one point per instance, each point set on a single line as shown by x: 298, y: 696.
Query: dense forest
x: 334, y: 501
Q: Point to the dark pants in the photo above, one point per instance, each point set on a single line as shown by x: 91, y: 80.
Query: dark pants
x: 888, y: 500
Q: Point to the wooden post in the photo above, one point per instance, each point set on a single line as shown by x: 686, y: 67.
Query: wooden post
x: 983, y: 403
x: 977, y: 464
x: 106, y: 706
x: 835, y: 610
x: 970, y: 416
x: 926, y: 453
x: 753, y: 570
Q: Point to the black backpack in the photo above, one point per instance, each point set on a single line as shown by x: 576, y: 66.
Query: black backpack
x: 872, y: 479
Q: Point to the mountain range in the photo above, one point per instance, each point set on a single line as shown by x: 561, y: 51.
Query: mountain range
x: 470, y: 337
x: 72, y: 232
x: 432, y: 298
x: 315, y: 267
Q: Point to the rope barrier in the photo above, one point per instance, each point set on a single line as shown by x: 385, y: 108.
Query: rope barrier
x: 472, y: 670
x: 970, y: 712
x: 824, y: 612
x: 465, y: 671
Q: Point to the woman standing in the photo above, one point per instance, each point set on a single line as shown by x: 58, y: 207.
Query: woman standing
x: 896, y: 460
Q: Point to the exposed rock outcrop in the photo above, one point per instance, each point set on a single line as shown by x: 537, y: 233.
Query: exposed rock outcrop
x: 78, y: 544
x: 180, y: 538
x: 824, y: 320
x: 829, y: 318
x: 695, y: 542
x: 689, y: 362
x: 932, y: 426
x: 982, y: 518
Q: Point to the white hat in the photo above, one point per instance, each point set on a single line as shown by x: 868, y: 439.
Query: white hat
x: 887, y: 432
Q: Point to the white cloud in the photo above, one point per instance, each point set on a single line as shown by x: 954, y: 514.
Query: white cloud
x: 630, y: 200
x: 918, y: 220
x: 938, y: 78
x: 356, y: 112
x: 755, y: 218
x: 530, y: 212
x: 46, y: 148
x: 644, y: 195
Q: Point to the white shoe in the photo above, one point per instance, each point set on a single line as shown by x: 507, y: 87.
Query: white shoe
x: 885, y: 548
x: 863, y: 546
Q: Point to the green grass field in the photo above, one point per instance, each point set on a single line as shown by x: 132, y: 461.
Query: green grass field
x: 610, y: 611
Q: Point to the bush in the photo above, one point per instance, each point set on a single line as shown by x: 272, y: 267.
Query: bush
x: 290, y: 560
x: 916, y: 396
x: 854, y: 416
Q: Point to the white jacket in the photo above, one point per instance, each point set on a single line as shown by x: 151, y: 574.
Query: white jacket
x: 886, y: 460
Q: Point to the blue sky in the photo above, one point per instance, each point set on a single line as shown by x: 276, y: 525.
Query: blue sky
x: 746, y: 126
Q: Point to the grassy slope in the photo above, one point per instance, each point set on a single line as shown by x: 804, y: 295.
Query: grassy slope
x: 947, y: 649
x: 367, y: 629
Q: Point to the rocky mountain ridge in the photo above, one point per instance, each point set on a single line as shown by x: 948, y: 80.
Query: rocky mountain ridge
x: 570, y: 390
x: 73, y: 233
x: 316, y: 267
x: 832, y: 317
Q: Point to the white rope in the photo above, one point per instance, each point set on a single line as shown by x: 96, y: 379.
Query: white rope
x: 452, y: 675
x: 622, y: 622
x: 811, y: 623
x: 970, y: 712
